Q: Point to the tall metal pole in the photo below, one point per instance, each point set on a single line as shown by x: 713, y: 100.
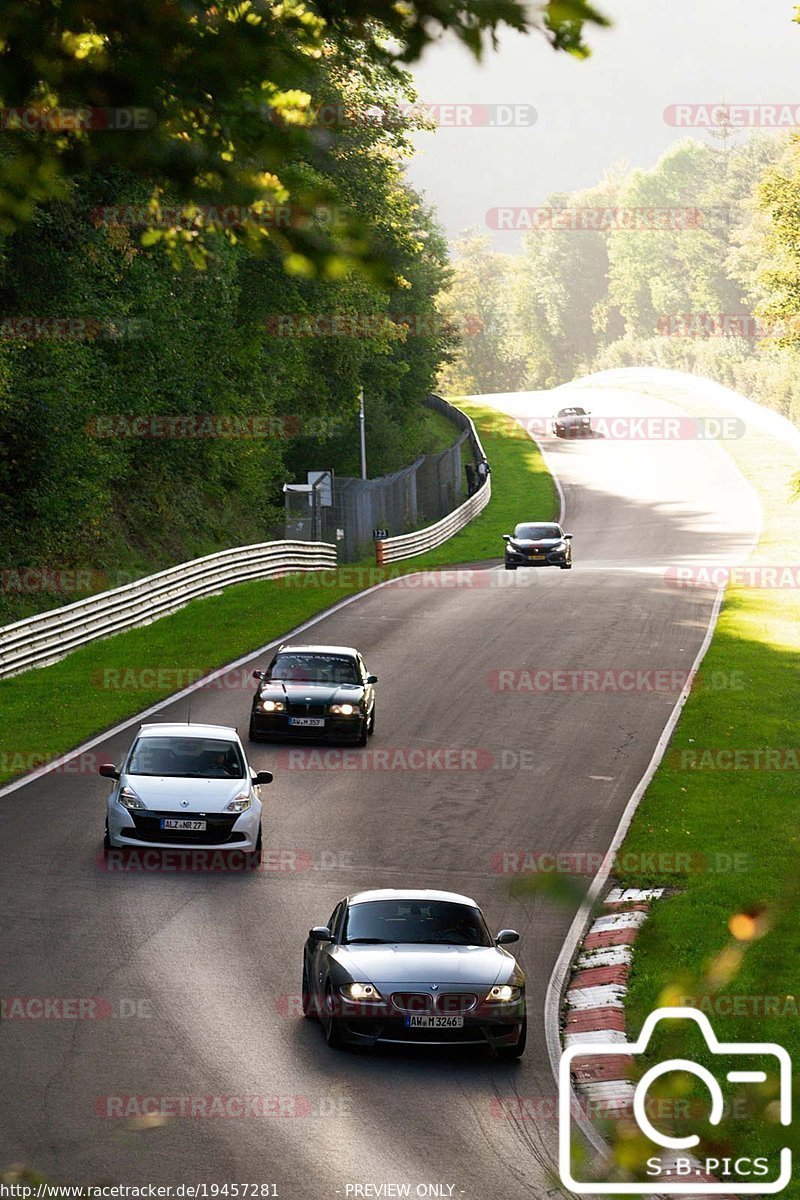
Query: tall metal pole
x: 363, y: 435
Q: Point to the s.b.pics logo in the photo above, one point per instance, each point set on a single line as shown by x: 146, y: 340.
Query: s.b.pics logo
x: 669, y: 1160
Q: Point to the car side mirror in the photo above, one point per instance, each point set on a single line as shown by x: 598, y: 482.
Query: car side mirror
x: 568, y: 537
x: 320, y: 933
x: 505, y: 936
x: 258, y: 674
x: 506, y: 537
x: 262, y: 777
x: 108, y: 771
x: 372, y: 679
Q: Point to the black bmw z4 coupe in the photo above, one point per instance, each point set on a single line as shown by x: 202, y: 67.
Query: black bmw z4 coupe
x: 318, y: 693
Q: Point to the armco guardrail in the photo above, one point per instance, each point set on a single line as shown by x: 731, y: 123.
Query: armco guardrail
x: 48, y: 636
x: 406, y: 545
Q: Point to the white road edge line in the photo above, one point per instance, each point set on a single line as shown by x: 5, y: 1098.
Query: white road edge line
x: 546, y: 459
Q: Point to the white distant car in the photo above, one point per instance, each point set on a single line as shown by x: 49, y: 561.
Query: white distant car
x: 188, y: 787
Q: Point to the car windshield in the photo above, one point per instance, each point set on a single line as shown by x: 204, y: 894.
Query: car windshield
x: 314, y: 668
x: 537, y: 533
x: 415, y: 923
x: 186, y: 758
x: 572, y: 412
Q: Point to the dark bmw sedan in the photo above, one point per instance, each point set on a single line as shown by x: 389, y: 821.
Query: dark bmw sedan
x: 320, y: 693
x: 414, y: 968
x: 540, y: 545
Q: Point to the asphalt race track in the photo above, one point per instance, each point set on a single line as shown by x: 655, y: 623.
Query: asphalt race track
x: 201, y: 971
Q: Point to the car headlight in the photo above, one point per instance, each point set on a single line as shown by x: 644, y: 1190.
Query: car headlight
x: 239, y: 803
x: 344, y: 710
x: 362, y: 993
x: 129, y: 799
x: 503, y: 993
x: 559, y: 547
x: 272, y: 706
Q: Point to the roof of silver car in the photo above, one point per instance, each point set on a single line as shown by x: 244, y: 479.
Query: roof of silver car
x: 182, y: 729
x: 409, y: 894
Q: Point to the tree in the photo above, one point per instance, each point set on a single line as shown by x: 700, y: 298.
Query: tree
x: 478, y: 305
x: 218, y: 101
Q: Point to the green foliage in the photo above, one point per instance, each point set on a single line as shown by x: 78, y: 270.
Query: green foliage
x: 474, y: 304
x: 229, y: 92
x: 583, y: 298
x: 195, y: 344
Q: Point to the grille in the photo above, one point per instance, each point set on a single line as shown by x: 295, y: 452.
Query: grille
x: 453, y: 1003
x: 412, y: 1002
x: 296, y: 709
x: 218, y: 829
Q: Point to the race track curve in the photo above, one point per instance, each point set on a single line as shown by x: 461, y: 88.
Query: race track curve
x: 209, y: 964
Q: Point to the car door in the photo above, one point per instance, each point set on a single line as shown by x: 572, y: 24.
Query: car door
x: 369, y: 689
x: 319, y: 966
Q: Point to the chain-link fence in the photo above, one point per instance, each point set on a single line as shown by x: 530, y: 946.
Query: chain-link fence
x: 349, y: 512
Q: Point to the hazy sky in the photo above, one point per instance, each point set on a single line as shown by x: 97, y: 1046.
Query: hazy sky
x: 593, y: 114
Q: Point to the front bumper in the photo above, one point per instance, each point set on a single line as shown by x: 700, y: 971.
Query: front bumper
x: 372, y: 1025
x: 142, y: 828
x: 548, y: 560
x: 576, y: 431
x: 276, y: 727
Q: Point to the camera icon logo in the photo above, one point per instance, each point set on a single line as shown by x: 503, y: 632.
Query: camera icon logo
x: 674, y: 1172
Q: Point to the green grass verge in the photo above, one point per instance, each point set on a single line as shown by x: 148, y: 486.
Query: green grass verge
x: 728, y: 941
x: 45, y: 712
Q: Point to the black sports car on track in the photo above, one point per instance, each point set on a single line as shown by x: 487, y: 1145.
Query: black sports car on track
x: 414, y: 968
x: 320, y: 693
x: 540, y: 545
